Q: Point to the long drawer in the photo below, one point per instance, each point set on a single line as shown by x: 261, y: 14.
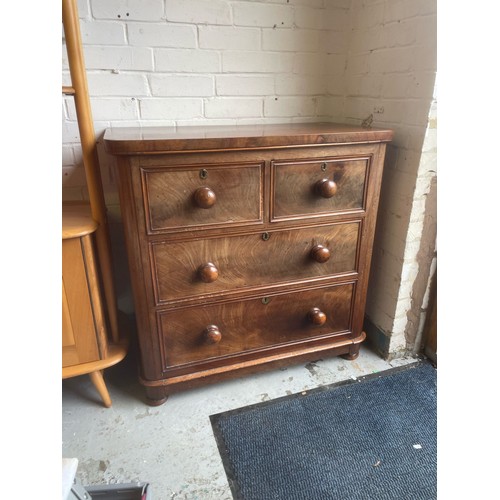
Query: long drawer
x: 202, y: 333
x: 199, y: 267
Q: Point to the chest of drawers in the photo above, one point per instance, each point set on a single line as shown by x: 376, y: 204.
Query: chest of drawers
x: 249, y: 247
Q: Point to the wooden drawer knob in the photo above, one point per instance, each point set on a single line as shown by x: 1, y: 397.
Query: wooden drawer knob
x: 208, y: 272
x: 212, y: 334
x: 317, y: 316
x: 326, y: 188
x: 320, y: 253
x: 204, y: 197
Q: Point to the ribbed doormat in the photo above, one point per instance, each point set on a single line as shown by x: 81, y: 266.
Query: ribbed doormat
x: 369, y: 439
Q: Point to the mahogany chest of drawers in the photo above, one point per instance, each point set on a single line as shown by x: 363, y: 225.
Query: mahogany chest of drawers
x: 249, y: 247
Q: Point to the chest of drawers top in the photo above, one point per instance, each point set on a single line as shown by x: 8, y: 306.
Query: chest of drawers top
x: 157, y: 140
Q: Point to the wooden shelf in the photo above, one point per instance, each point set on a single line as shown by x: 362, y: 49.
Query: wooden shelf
x: 77, y: 220
x: 116, y: 352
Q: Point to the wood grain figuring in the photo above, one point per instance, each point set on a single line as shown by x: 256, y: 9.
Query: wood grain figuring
x: 251, y: 324
x: 155, y: 140
x: 305, y: 188
x: 94, y: 287
x: 231, y: 193
x: 267, y: 265
x: 79, y: 331
x: 250, y: 261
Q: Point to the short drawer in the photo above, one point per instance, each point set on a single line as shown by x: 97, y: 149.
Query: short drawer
x: 227, y: 263
x: 311, y: 188
x: 185, y: 198
x: 198, y: 334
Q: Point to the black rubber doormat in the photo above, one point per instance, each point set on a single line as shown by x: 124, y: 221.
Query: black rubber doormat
x: 369, y: 439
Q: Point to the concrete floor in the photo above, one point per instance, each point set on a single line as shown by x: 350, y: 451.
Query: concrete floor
x: 172, y: 446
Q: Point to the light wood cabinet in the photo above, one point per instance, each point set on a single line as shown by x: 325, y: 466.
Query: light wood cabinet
x: 86, y: 348
x: 83, y: 328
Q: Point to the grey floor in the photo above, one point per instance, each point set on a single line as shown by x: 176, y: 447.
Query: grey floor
x: 172, y: 446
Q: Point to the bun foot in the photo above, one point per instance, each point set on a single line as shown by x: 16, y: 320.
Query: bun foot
x: 350, y: 357
x: 155, y: 396
x: 353, y: 352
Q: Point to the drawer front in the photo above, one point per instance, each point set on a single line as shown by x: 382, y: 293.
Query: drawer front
x: 197, y: 334
x: 216, y: 265
x: 311, y: 188
x: 201, y: 196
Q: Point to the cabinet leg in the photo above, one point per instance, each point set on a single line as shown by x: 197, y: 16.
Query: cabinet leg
x: 155, y: 396
x: 98, y: 381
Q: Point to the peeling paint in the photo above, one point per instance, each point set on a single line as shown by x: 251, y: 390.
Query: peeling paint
x: 425, y: 256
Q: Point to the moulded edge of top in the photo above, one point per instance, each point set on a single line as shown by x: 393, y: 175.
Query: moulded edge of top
x: 157, y: 140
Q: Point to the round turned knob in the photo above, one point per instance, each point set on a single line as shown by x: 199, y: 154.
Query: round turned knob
x: 212, y: 334
x: 204, y: 197
x: 317, y: 316
x: 319, y: 253
x: 208, y: 272
x: 326, y: 188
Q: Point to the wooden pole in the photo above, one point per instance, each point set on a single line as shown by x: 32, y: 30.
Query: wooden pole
x: 78, y: 74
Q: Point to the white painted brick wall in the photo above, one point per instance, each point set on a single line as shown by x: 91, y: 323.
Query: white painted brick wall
x: 227, y: 85
x: 170, y: 108
x: 193, y: 62
x: 262, y: 15
x: 102, y: 33
x: 256, y: 62
x: 229, y: 107
x: 161, y: 35
x: 229, y: 37
x: 187, y: 61
x: 310, y: 64
x: 199, y: 11
x: 390, y: 74
x: 118, y: 58
x: 181, y: 85
x: 117, y: 84
x: 289, y: 107
x: 128, y: 10
x: 287, y: 40
x: 300, y: 85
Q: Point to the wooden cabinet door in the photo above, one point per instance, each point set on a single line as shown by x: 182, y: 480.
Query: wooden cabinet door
x: 79, y: 340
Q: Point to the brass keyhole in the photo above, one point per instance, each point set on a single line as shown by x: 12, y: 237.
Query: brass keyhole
x: 266, y: 300
x: 265, y: 236
x: 323, y: 167
x: 203, y: 173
